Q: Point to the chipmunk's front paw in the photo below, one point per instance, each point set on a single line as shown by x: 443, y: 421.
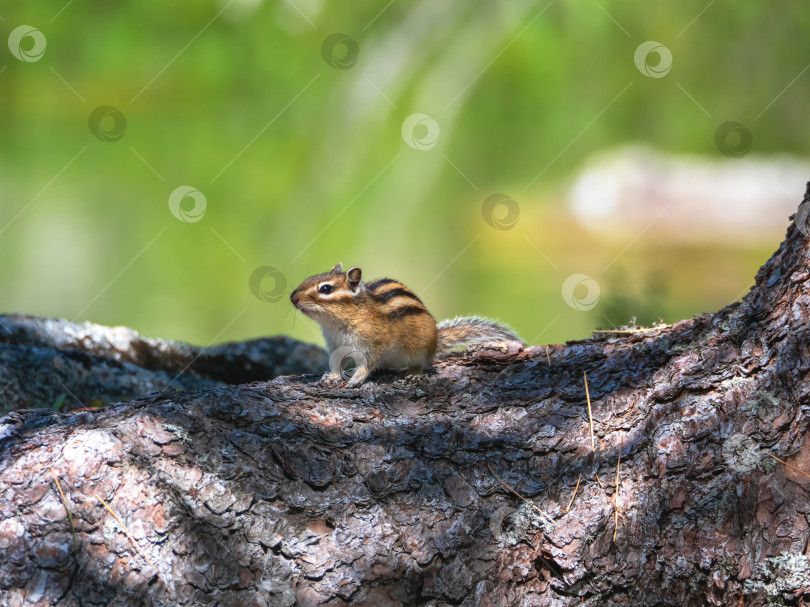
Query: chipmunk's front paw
x: 331, y: 380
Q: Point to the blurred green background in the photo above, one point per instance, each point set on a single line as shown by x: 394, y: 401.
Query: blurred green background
x: 303, y: 163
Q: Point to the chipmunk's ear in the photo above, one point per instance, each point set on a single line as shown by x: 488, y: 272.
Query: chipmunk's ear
x: 355, y: 274
x: 338, y: 268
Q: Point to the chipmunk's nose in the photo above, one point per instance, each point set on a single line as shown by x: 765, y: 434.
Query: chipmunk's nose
x: 294, y: 298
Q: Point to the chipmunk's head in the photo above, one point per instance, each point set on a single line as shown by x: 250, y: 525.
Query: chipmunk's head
x: 331, y: 296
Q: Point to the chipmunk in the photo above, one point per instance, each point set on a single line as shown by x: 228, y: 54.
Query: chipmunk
x: 383, y: 325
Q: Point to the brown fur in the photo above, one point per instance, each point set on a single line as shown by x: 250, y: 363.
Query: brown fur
x: 382, y: 324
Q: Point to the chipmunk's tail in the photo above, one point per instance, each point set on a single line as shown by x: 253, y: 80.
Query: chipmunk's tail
x: 464, y: 331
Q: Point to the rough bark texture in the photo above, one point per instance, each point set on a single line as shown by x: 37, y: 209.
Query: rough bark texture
x: 287, y: 493
x: 51, y: 363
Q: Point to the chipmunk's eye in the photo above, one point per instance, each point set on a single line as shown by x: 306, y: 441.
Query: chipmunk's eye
x: 325, y: 289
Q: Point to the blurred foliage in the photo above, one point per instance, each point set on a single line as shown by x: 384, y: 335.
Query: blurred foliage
x: 304, y: 165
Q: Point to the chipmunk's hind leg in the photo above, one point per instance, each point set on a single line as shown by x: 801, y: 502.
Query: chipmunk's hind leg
x: 415, y: 371
x: 416, y: 375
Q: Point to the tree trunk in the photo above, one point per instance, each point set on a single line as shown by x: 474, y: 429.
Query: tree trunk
x: 288, y: 493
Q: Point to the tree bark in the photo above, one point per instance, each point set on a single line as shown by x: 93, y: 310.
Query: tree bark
x: 289, y: 493
x: 54, y: 363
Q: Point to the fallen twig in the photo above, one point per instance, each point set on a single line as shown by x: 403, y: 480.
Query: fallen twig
x: 568, y: 507
x: 802, y: 472
x: 69, y: 513
x: 500, y: 480
x: 134, y: 543
x: 590, y: 415
x: 616, y: 494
